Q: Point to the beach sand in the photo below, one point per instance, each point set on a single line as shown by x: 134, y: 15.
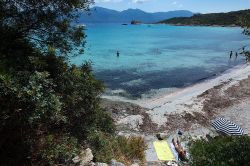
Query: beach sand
x: 187, y: 99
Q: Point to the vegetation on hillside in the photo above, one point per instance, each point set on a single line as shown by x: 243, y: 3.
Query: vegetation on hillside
x: 245, y: 24
x: 221, y: 19
x: 228, y: 151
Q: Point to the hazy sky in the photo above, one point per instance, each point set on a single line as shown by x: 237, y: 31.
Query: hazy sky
x: 202, y: 6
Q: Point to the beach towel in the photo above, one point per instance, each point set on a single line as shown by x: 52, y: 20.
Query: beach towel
x: 163, y: 151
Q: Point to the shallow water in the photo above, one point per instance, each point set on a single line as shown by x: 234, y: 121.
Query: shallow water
x: 153, y: 57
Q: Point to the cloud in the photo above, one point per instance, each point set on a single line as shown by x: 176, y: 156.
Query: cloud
x: 174, y: 3
x: 104, y: 1
x: 117, y: 1
x: 139, y: 1
x: 177, y: 4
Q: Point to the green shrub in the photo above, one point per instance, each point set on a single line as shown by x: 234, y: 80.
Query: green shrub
x: 101, y: 145
x: 221, y: 151
x: 57, y: 149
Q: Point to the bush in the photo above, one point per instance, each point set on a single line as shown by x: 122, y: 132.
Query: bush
x: 123, y: 149
x: 35, y: 106
x: 221, y: 151
x: 56, y: 149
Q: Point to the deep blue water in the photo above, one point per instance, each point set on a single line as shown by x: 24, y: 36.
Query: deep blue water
x: 153, y: 57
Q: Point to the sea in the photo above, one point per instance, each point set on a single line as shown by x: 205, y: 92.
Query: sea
x: 158, y: 58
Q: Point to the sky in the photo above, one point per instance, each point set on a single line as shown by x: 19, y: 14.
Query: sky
x: 201, y: 6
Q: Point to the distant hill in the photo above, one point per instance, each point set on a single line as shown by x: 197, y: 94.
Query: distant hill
x: 101, y: 15
x: 221, y: 19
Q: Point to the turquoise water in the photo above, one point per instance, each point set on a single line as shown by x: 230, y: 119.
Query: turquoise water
x: 153, y: 57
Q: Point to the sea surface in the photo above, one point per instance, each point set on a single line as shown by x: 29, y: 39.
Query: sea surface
x: 156, y: 58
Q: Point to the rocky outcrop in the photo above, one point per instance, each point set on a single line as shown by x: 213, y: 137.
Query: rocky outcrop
x: 135, y: 164
x: 132, y: 122
x: 128, y: 117
x: 85, y: 158
x: 115, y: 163
x: 101, y: 164
x: 162, y: 136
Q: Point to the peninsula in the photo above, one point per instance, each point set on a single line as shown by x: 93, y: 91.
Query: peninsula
x: 211, y: 19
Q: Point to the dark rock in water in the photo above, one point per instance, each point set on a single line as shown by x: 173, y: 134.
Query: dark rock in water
x: 134, y: 22
x: 124, y: 24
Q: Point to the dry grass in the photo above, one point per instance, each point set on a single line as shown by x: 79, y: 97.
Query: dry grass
x: 147, y: 125
x: 240, y: 91
x: 216, y: 99
x: 131, y: 149
x: 123, y: 149
x: 184, y: 121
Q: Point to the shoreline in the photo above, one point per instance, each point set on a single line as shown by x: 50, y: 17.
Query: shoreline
x: 185, y: 99
x: 200, y: 25
x: 159, y: 93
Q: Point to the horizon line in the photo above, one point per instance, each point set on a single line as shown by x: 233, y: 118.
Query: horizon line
x: 168, y: 10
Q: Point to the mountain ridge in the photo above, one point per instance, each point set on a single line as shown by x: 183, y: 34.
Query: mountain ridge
x: 104, y: 15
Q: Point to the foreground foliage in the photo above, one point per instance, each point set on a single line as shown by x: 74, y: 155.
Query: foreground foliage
x: 47, y: 106
x: 38, y: 108
x: 221, y: 151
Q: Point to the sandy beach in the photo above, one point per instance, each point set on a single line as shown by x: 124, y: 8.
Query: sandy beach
x: 190, y: 109
x: 187, y: 99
